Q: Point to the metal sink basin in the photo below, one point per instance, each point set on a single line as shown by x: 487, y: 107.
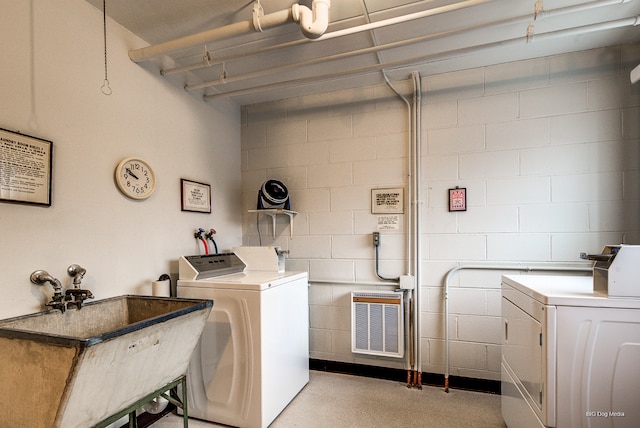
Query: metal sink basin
x: 76, y: 369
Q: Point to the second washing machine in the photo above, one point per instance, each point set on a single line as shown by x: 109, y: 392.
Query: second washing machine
x: 253, y: 356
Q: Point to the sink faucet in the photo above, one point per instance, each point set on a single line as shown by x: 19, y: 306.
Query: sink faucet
x: 73, y: 297
x: 76, y: 295
x: 77, y: 272
x: 41, y: 277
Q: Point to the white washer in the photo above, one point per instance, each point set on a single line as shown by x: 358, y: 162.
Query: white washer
x: 253, y: 356
x: 569, y: 358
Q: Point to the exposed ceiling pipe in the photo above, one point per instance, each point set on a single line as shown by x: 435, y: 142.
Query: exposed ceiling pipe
x: 455, y: 53
x: 277, y: 19
x: 236, y: 29
x: 367, y: 27
x: 208, y: 60
x: 311, y: 23
x: 378, y: 48
x: 328, y: 36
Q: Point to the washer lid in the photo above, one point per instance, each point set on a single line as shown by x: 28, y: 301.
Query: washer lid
x: 247, y: 280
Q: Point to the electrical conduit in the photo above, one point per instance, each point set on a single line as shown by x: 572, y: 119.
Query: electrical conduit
x: 455, y: 270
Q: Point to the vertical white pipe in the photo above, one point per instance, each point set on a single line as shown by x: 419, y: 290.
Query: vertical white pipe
x: 416, y: 178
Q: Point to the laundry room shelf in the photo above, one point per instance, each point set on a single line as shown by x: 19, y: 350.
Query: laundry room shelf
x: 273, y: 213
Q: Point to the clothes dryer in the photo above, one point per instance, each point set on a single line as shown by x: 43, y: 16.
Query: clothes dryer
x: 570, y: 358
x: 253, y: 355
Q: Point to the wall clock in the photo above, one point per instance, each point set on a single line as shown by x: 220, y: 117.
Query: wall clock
x: 135, y: 178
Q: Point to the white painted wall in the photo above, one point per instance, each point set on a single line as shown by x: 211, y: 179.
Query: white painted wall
x: 50, y: 76
x: 548, y: 150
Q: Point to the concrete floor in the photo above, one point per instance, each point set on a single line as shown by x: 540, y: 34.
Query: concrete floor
x: 336, y: 400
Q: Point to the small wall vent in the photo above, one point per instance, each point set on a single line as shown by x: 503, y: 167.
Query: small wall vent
x: 377, y: 323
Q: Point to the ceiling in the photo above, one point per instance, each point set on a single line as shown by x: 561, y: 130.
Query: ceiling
x: 472, y: 34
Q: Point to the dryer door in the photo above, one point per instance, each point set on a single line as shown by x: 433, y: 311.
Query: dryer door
x: 522, y: 353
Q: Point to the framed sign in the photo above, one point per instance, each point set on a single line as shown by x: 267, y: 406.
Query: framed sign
x: 387, y: 201
x: 195, y: 196
x: 25, y: 169
x: 458, y: 199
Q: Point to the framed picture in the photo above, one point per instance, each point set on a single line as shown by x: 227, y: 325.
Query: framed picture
x: 195, y: 196
x: 387, y: 201
x: 25, y: 169
x: 458, y: 199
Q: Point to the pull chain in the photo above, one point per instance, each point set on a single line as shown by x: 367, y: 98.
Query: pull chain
x: 105, y: 88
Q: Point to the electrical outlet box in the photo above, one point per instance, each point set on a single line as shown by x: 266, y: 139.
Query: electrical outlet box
x: 376, y: 239
x: 407, y: 282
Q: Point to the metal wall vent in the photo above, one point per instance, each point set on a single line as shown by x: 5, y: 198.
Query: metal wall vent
x: 377, y: 323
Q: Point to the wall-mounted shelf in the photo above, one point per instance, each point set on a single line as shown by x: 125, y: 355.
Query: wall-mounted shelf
x: 273, y: 213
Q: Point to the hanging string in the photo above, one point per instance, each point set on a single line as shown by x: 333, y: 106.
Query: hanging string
x: 105, y: 88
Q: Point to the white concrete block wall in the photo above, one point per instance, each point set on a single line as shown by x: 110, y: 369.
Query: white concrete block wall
x: 548, y: 150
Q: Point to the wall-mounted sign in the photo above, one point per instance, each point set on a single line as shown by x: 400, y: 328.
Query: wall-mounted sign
x: 387, y: 201
x: 458, y: 199
x: 195, y: 196
x: 25, y: 169
x: 389, y: 222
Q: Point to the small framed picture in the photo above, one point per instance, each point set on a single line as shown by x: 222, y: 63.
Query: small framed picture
x: 458, y: 199
x: 195, y: 196
x: 387, y: 201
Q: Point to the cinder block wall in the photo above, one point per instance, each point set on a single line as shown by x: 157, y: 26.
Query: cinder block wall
x: 548, y: 150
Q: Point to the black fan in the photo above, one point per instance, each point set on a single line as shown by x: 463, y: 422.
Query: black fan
x: 273, y: 194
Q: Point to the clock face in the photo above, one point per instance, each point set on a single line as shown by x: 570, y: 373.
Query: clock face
x: 135, y: 178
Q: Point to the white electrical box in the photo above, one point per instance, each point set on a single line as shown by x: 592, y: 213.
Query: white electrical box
x: 407, y: 282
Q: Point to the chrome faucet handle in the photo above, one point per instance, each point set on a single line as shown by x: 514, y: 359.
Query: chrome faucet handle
x: 41, y: 277
x: 77, y: 272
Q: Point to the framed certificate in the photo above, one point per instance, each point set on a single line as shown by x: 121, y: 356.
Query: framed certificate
x: 195, y: 196
x: 25, y: 169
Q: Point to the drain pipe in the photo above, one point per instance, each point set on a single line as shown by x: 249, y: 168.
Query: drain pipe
x: 315, y: 21
x: 455, y: 270
x: 311, y: 22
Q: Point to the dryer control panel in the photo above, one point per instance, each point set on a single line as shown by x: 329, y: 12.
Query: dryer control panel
x: 209, y: 265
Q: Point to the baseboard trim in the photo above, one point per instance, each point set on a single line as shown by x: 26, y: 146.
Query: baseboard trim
x: 399, y: 375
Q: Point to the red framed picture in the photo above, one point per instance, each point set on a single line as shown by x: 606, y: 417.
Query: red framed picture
x: 458, y: 199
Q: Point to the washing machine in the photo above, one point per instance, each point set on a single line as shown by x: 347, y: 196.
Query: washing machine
x: 570, y: 357
x: 253, y: 355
